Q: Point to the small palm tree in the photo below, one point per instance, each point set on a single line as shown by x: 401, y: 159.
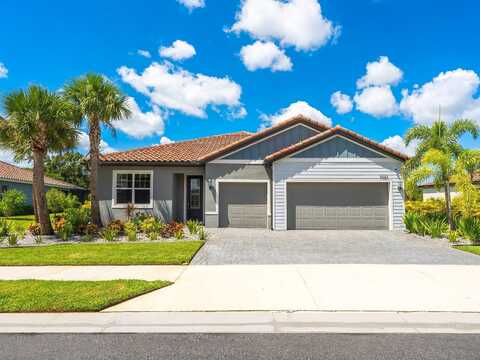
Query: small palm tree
x: 437, y: 151
x: 37, y: 122
x: 100, y: 102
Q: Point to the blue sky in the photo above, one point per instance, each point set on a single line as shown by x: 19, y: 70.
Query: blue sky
x: 306, y: 50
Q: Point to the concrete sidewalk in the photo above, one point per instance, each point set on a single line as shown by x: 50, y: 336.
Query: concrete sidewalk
x: 92, y: 273
x: 327, y: 287
x: 243, y: 322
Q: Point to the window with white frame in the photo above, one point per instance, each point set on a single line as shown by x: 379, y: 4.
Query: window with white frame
x: 132, y: 187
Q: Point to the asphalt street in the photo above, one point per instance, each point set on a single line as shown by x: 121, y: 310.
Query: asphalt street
x: 240, y: 346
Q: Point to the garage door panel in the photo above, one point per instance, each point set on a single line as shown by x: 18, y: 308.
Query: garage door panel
x: 337, y: 206
x: 243, y: 205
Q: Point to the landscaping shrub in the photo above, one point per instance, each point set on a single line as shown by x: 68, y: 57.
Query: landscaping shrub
x: 79, y: 218
x: 11, y: 202
x: 109, y: 234
x: 452, y: 236
x: 131, y: 230
x: 116, y: 226
x: 151, y: 225
x: 435, y: 227
x: 193, y: 226
x: 5, y: 227
x: 35, y: 230
x: 58, y: 201
x: 415, y: 223
x: 170, y: 229
x: 469, y: 228
x: 202, y: 234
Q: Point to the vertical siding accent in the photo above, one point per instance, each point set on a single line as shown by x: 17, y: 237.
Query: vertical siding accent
x: 337, y: 170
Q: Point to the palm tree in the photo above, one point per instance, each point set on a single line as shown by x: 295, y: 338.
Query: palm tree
x: 437, y: 150
x: 100, y: 102
x: 37, y: 122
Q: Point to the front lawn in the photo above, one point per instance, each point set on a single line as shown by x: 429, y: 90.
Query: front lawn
x: 165, y: 253
x: 21, y: 221
x: 70, y: 296
x: 469, y: 248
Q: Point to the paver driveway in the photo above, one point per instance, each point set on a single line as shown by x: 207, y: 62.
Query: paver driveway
x: 263, y: 247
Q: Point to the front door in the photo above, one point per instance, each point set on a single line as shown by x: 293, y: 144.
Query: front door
x: 195, y: 198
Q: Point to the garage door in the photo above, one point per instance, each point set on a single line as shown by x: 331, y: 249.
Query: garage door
x: 320, y: 206
x: 243, y: 205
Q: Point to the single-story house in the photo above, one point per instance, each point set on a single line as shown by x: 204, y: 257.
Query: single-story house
x: 14, y: 177
x: 429, y: 191
x: 298, y: 174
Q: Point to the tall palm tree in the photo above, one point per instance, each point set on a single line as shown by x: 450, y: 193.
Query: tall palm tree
x: 37, y: 122
x: 100, y: 102
x: 444, y: 140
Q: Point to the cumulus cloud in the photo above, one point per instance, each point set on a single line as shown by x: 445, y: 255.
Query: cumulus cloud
x: 144, y: 53
x: 455, y: 93
x: 343, y: 103
x: 396, y: 142
x: 84, y: 144
x: 179, y: 50
x: 141, y: 124
x: 165, y: 140
x: 265, y: 55
x: 379, y: 73
x: 8, y: 157
x: 174, y: 88
x: 192, y: 4
x: 295, y: 109
x: 297, y: 23
x: 377, y: 101
x: 3, y: 71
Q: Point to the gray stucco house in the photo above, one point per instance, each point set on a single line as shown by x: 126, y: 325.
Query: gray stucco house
x: 14, y: 177
x: 298, y: 174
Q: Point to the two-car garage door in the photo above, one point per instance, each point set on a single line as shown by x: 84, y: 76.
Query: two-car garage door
x: 312, y: 206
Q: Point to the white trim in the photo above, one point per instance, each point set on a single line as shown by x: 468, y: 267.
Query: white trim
x: 268, y: 137
x: 239, y: 181
x: 273, y: 218
x: 343, y: 137
x: 352, y: 181
x: 247, y: 162
x: 133, y: 172
x: 185, y: 197
x: 211, y: 213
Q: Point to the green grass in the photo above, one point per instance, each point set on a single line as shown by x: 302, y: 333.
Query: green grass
x: 70, y: 296
x: 21, y: 221
x: 469, y: 248
x: 168, y: 253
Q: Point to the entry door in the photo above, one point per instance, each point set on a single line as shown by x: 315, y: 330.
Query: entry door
x: 195, y: 198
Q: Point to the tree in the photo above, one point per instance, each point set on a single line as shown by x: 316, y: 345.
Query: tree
x: 59, y: 201
x: 70, y: 167
x: 100, y: 103
x: 436, y: 153
x: 11, y: 202
x: 38, y: 121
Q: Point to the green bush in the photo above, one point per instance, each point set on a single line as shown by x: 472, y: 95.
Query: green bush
x: 469, y: 228
x: 109, y: 235
x: 452, y: 236
x: 58, y: 201
x: 5, y: 227
x: 415, y: 223
x: 78, y: 218
x: 131, y: 230
x: 151, y: 225
x: 202, y: 234
x: 435, y: 227
x: 193, y: 226
x: 12, y: 202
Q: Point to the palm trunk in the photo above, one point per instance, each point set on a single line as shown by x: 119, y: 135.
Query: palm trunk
x: 94, y: 136
x: 448, y: 207
x: 34, y: 203
x: 39, y: 193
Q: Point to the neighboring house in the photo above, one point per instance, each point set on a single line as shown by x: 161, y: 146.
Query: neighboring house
x: 429, y: 190
x: 295, y: 175
x: 14, y: 177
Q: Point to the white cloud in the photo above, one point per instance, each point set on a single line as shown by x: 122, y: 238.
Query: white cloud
x: 377, y: 101
x: 379, y: 73
x: 454, y: 92
x: 141, y: 124
x: 84, y: 144
x: 144, y: 53
x: 7, y: 156
x: 298, y: 23
x: 397, y: 143
x: 265, y: 55
x: 295, y: 109
x: 179, y: 50
x: 192, y: 4
x: 3, y: 71
x: 177, y: 89
x: 165, y: 140
x: 342, y: 102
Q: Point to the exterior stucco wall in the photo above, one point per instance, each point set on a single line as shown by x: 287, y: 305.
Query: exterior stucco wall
x: 164, y: 191
x: 215, y: 173
x: 336, y: 170
x: 433, y: 193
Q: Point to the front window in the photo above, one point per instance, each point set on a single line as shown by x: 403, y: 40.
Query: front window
x: 133, y: 188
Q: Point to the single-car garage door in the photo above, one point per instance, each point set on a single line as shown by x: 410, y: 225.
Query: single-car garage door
x: 312, y: 206
x: 243, y: 205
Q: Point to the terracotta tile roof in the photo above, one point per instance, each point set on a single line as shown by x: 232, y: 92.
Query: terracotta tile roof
x: 14, y: 173
x: 183, y: 152
x: 331, y: 132
x: 300, y: 119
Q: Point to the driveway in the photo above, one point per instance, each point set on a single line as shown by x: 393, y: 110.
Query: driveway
x: 263, y: 247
